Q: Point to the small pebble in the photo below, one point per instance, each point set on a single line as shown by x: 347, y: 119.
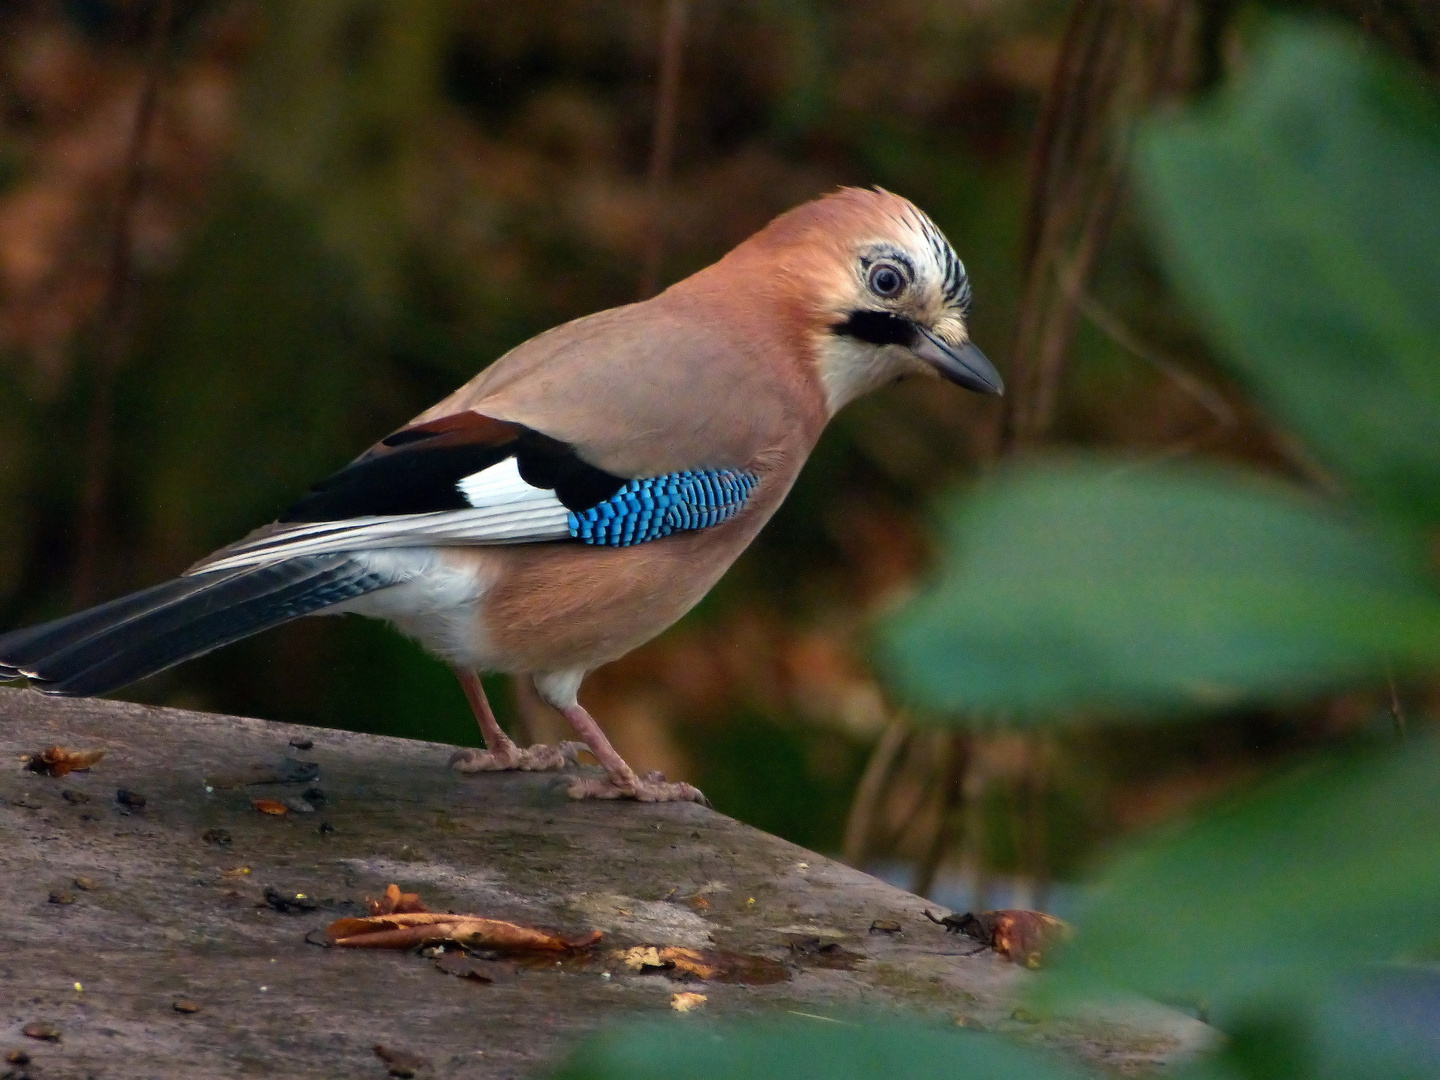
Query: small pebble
x: 325, y: 828
x: 185, y: 1005
x: 37, y: 1029
x: 303, y: 744
x: 61, y: 896
x: 299, y: 806
x: 18, y: 1057
x: 133, y: 799
x: 216, y: 836
x: 314, y: 795
x: 74, y: 795
x: 86, y: 883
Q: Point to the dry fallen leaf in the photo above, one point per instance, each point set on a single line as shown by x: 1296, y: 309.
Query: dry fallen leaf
x: 39, y: 1030
x: 185, y: 1005
x: 641, y: 957
x: 395, y: 902
x: 711, y: 965
x: 407, y: 923
x: 58, y: 761
x: 237, y: 872
x: 687, y: 1001
x: 405, y: 930
x: 270, y: 806
x: 1018, y: 935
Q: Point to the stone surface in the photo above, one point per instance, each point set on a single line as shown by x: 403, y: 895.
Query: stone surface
x: 174, y: 910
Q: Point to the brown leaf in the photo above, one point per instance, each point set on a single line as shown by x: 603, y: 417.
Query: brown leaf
x: 711, y: 965
x: 404, y: 930
x: 270, y: 806
x: 687, y: 1001
x: 58, y: 761
x: 395, y: 902
x: 1018, y: 935
x: 401, y: 1062
x: 37, y: 1029
x: 185, y: 1005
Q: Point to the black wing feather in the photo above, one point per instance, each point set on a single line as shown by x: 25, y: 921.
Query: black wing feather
x: 414, y: 477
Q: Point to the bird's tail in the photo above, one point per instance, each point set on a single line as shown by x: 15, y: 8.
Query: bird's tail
x: 106, y: 647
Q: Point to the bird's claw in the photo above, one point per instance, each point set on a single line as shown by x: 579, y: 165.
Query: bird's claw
x: 652, y: 788
x: 537, y: 758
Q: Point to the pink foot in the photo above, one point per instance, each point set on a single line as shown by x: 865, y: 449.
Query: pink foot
x: 538, y: 758
x: 652, y: 788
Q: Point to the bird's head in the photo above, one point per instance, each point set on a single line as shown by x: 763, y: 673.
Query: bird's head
x: 884, y: 293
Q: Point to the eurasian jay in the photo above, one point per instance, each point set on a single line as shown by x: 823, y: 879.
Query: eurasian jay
x: 581, y: 493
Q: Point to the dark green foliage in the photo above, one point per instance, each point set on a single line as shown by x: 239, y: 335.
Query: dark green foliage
x: 1301, y: 214
x: 1106, y: 584
x: 859, y: 1048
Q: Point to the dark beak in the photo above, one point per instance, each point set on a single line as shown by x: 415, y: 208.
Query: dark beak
x: 966, y: 366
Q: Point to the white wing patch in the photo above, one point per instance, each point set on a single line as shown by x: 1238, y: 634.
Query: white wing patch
x: 500, y: 484
x: 504, y: 510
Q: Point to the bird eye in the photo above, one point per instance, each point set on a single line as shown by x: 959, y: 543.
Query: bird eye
x: 886, y: 280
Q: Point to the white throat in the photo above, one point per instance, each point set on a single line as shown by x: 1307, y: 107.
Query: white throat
x: 850, y: 368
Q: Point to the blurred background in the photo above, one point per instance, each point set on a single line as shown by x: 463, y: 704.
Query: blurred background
x: 240, y: 241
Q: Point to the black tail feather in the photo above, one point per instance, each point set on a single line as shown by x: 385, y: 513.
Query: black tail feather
x: 107, y: 647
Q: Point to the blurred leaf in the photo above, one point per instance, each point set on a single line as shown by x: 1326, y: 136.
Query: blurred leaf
x: 1382, y: 1023
x: 1301, y: 213
x: 861, y: 1049
x: 1327, y: 869
x: 1101, y: 585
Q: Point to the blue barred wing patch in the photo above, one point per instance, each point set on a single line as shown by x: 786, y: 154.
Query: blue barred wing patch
x: 649, y: 509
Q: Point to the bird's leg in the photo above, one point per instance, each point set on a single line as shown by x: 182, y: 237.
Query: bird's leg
x: 621, y: 781
x: 500, y: 751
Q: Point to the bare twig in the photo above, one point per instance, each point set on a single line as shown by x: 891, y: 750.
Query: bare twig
x: 1205, y: 395
x: 957, y: 767
x: 117, y: 319
x: 662, y: 149
x: 871, y: 790
x: 1397, y: 711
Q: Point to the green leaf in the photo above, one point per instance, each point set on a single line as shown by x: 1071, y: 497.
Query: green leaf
x: 857, y: 1049
x: 1099, y: 584
x: 1264, y: 901
x: 1301, y: 214
x: 1380, y: 1024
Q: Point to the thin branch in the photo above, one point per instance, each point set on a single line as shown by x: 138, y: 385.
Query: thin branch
x: 871, y: 790
x: 952, y: 801
x: 1397, y: 711
x: 662, y: 149
x: 117, y: 318
x: 1210, y: 399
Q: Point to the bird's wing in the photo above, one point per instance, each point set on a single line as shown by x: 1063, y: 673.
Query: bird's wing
x: 469, y: 479
x: 617, y: 428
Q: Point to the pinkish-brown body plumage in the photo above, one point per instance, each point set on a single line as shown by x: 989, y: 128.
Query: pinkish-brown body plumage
x: 461, y: 527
